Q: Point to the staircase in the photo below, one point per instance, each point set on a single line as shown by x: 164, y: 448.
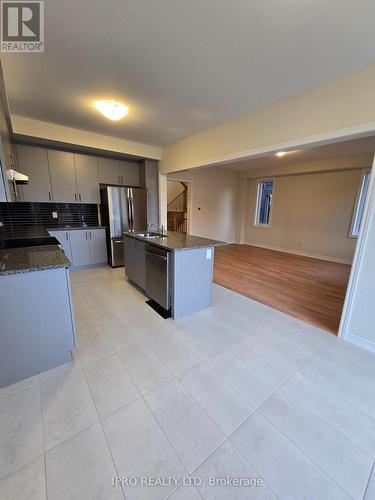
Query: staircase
x: 177, y: 212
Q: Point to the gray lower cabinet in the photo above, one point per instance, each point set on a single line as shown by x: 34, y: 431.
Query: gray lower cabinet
x: 37, y: 331
x: 98, y: 246
x: 135, y: 261
x: 80, y: 246
x: 83, y: 247
x: 63, y: 238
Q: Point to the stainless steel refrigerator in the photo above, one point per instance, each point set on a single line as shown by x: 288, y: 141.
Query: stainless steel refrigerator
x: 122, y: 209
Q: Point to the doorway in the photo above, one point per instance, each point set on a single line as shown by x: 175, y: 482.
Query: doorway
x: 177, y: 206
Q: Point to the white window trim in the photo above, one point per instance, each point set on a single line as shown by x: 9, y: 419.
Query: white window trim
x: 257, y: 205
x: 353, y: 224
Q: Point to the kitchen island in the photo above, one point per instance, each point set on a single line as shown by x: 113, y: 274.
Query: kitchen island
x: 175, y: 271
x: 37, y: 329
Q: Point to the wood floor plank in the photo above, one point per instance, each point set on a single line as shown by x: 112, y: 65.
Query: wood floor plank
x: 309, y: 289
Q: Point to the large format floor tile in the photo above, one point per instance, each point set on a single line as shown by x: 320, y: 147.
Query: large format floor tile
x: 81, y: 468
x: 110, y: 385
x: 226, y: 408
x: 140, y: 449
x: 189, y: 429
x: 243, y: 379
x: 345, y: 418
x: 67, y: 407
x: 343, y: 461
x: 25, y: 483
x: 286, y: 469
x: 21, y: 437
x: 226, y: 464
x: 239, y: 390
x: 145, y: 367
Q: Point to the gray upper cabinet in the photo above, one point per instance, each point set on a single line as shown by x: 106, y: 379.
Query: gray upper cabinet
x: 87, y: 178
x: 63, y: 176
x: 108, y: 171
x: 129, y: 173
x: 32, y: 161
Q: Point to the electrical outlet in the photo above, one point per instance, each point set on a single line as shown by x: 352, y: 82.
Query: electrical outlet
x: 54, y: 215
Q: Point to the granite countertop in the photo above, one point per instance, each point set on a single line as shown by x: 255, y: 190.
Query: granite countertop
x: 178, y: 241
x: 28, y: 259
x: 74, y: 228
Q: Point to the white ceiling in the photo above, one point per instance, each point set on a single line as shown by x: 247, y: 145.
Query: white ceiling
x: 337, y: 150
x: 183, y: 65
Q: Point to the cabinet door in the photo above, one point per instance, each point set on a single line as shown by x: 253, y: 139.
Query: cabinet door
x: 32, y: 161
x: 129, y: 173
x: 98, y: 246
x: 64, y: 240
x: 140, y: 259
x: 108, y: 171
x: 130, y: 263
x: 63, y: 176
x: 80, y: 245
x: 87, y: 178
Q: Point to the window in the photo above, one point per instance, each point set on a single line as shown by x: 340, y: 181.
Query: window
x: 360, y: 204
x: 264, y: 203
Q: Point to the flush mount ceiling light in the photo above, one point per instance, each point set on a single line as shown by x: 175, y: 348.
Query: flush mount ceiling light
x: 112, y: 110
x: 281, y: 153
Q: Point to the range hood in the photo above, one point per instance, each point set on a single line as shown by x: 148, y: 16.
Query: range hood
x: 17, y: 177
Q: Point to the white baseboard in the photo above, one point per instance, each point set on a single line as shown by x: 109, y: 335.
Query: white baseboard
x: 365, y: 344
x: 296, y: 252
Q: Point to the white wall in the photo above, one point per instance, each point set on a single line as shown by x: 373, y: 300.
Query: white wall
x: 213, y: 194
x: 53, y: 132
x: 359, y: 313
x: 311, y: 214
x: 339, y: 108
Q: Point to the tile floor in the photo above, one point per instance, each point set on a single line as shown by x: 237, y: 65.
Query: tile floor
x: 238, y: 391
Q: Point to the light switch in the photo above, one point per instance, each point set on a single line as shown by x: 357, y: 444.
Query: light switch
x: 54, y: 215
x: 209, y: 254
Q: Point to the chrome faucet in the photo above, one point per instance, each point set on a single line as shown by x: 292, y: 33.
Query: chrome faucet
x: 160, y: 228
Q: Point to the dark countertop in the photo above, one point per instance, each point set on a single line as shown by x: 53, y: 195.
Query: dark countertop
x: 28, y: 259
x: 178, y: 241
x: 74, y: 228
x: 39, y: 232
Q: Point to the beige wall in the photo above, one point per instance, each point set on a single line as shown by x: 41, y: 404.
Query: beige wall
x: 339, y: 108
x: 311, y: 213
x: 173, y: 190
x: 53, y: 132
x: 214, y: 192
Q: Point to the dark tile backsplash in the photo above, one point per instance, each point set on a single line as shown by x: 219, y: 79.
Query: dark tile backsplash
x: 24, y: 215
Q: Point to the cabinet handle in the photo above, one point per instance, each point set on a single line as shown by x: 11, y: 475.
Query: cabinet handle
x: 67, y: 237
x: 49, y: 195
x: 75, y: 196
x: 79, y: 196
x: 90, y: 235
x: 86, y: 235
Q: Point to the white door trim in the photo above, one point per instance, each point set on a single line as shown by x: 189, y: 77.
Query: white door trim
x: 357, y: 261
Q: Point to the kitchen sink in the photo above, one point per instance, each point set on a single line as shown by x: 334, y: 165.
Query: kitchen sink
x: 150, y: 235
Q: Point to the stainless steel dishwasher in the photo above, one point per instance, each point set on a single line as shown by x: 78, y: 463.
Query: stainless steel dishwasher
x: 158, y: 275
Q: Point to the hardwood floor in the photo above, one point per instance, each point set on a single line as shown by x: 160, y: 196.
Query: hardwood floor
x: 309, y: 289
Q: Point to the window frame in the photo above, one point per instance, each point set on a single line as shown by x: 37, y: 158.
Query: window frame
x: 359, y: 202
x: 256, y: 222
